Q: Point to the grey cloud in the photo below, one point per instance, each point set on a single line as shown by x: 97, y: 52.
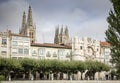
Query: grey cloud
x: 85, y: 17
x: 11, y: 14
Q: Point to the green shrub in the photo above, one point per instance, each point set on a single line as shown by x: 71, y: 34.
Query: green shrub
x: 2, y: 77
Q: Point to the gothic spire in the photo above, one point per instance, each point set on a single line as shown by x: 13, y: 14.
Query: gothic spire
x: 66, y: 32
x: 56, y: 39
x: 61, y: 32
x: 24, y: 20
x: 30, y: 20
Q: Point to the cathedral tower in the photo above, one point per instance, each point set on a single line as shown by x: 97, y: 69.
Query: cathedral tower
x: 56, y: 39
x: 22, y: 31
x: 61, y: 37
x: 28, y: 29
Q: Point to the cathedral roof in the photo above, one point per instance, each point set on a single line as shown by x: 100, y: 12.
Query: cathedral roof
x: 51, y: 45
x: 105, y: 44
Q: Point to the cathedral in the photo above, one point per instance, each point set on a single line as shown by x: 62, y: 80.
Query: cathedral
x: 25, y: 45
x: 62, y: 35
x: 28, y: 28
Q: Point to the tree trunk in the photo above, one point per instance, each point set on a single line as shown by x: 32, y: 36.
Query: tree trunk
x: 31, y: 77
x: 81, y: 75
x: 24, y: 76
x: 71, y: 77
x: 52, y: 76
x: 9, y: 77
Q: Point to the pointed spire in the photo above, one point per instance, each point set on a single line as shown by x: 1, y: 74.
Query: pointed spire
x: 30, y: 20
x: 61, y: 33
x: 56, y: 39
x: 57, y: 31
x: 24, y: 20
x: 66, y: 32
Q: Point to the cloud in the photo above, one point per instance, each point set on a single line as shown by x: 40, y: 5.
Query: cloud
x: 46, y: 25
x: 84, y: 17
x: 11, y: 14
x: 94, y: 28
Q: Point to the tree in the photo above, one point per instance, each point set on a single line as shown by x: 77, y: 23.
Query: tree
x: 113, y: 33
x: 8, y: 66
x: 95, y: 66
x: 30, y: 66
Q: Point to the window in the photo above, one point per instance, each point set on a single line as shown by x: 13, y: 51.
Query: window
x: 81, y: 47
x: 26, y: 51
x: 4, y: 41
x: 48, y: 54
x: 61, y: 52
x: 3, y: 52
x: 14, y: 43
x: 54, y: 54
x: 41, y: 51
x: 20, y: 51
x: 67, y: 55
x: 34, y: 52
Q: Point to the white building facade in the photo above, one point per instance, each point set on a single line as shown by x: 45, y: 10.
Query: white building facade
x: 105, y: 51
x: 20, y: 46
x: 4, y: 44
x: 86, y: 49
x: 50, y: 51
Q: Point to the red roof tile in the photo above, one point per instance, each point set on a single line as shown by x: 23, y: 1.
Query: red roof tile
x: 106, y: 44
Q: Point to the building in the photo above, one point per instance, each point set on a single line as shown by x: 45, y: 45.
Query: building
x: 105, y: 51
x: 62, y: 35
x: 51, y: 51
x: 20, y: 46
x: 25, y: 45
x: 4, y: 44
x: 85, y: 49
x: 28, y: 28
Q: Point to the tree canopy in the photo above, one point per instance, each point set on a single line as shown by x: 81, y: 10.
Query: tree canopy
x: 31, y: 66
x: 113, y: 32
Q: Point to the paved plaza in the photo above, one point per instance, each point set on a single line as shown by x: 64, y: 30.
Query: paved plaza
x: 61, y: 81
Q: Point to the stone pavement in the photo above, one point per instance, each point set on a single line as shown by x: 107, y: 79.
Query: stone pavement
x: 61, y: 81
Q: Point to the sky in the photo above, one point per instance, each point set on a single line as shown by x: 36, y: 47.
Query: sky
x: 84, y: 18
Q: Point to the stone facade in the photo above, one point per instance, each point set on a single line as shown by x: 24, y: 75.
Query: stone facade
x: 86, y: 49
